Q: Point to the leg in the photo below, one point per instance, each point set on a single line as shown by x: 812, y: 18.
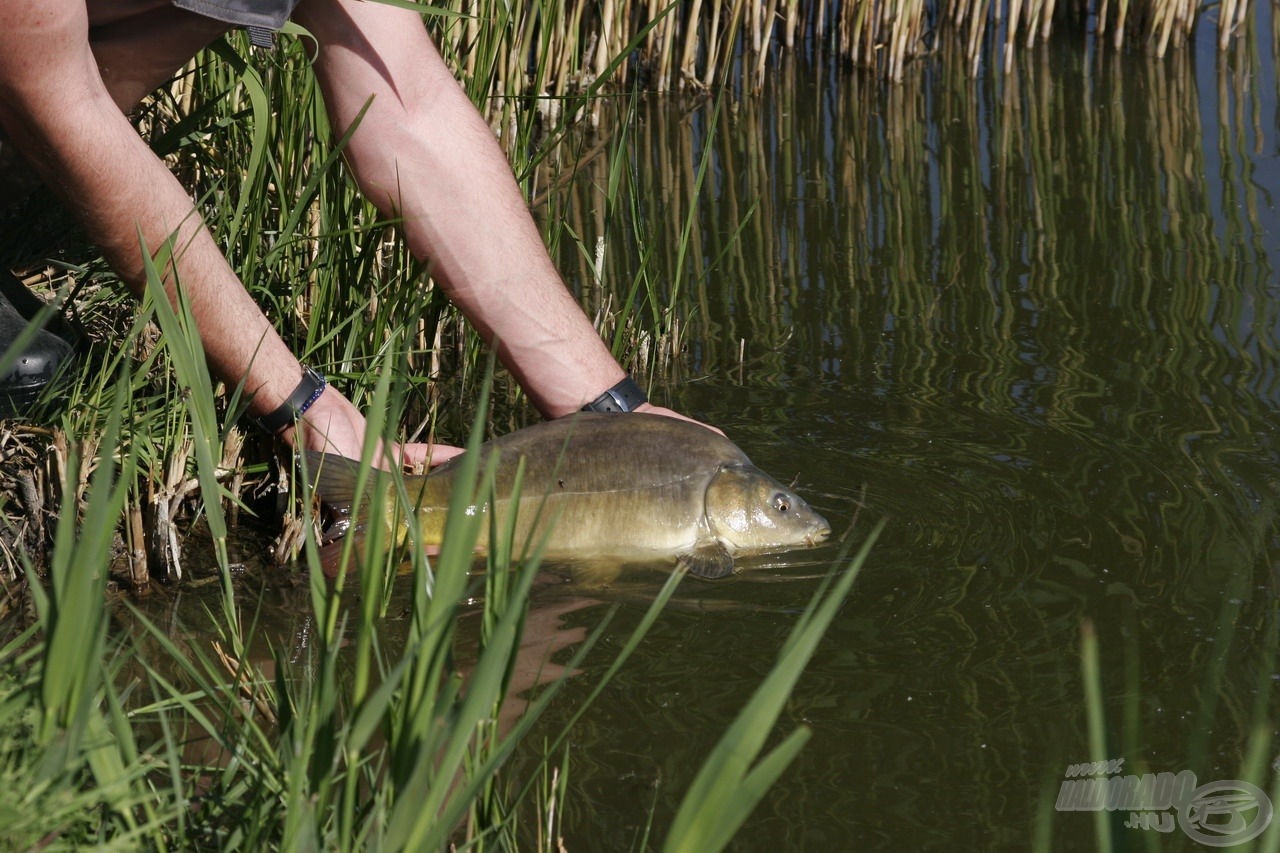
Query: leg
x: 137, y: 47
x: 140, y: 45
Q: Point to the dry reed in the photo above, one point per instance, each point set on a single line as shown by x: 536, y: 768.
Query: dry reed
x: 751, y: 235
x: 553, y: 48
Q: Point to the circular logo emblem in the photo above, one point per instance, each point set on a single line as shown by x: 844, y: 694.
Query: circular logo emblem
x: 1224, y: 813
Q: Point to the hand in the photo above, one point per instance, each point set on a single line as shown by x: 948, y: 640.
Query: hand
x: 334, y: 425
x: 422, y: 456
x: 650, y: 409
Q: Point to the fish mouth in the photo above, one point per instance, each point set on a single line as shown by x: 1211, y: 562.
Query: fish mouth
x: 818, y: 535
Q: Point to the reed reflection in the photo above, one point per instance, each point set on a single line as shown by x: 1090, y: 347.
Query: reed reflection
x: 1034, y: 315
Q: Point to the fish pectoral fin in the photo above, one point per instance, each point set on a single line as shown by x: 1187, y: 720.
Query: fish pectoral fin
x: 708, y: 561
x: 334, y: 544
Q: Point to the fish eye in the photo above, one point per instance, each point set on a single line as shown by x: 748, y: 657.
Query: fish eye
x: 781, y: 503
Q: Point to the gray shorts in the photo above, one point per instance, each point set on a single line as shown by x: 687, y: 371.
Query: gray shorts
x: 259, y: 14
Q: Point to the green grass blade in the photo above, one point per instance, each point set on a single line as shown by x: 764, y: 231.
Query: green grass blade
x: 1091, y: 674
x: 260, y: 106
x: 73, y: 614
x: 727, y: 786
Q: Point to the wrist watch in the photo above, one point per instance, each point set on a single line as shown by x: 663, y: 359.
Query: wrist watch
x: 626, y: 396
x: 307, y: 392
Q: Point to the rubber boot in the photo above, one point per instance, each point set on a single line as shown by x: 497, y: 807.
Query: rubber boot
x: 35, y: 366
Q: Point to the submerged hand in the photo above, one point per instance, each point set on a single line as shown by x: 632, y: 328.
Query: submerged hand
x: 650, y: 409
x: 420, y: 456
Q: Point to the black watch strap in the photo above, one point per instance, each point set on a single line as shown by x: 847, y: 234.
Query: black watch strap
x: 307, y: 392
x: 623, y: 397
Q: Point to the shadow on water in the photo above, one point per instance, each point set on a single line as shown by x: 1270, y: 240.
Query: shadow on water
x: 1035, y: 317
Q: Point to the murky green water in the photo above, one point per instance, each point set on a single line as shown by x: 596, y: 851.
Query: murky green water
x: 1035, y: 319
x: 1031, y: 321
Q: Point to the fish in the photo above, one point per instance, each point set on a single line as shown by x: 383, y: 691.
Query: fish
x: 634, y: 487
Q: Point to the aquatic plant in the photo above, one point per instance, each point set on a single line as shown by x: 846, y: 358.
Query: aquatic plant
x: 552, y: 50
x: 157, y: 738
x: 335, y: 743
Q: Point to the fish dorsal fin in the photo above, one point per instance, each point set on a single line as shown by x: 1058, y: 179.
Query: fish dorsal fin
x: 709, y: 560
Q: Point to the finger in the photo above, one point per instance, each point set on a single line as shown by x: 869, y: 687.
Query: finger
x: 419, y: 457
x: 442, y: 453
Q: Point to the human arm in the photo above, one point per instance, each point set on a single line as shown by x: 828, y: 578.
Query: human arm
x: 61, y: 102
x: 55, y: 106
x: 423, y: 154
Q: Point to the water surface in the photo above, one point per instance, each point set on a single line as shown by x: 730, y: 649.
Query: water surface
x: 1031, y: 321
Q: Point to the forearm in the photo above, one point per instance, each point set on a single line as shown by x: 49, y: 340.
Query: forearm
x: 130, y: 203
x: 423, y: 154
